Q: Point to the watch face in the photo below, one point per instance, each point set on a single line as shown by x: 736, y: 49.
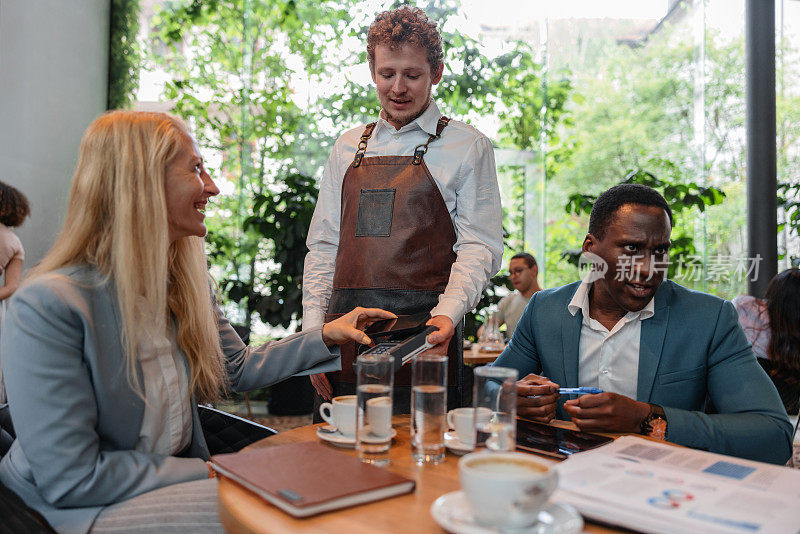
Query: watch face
x: 658, y: 428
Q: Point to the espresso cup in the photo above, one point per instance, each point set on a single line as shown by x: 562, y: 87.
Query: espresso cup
x: 341, y: 413
x: 506, y: 489
x: 463, y: 421
x: 379, y: 415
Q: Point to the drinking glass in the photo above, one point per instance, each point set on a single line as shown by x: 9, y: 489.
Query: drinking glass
x: 496, y: 389
x: 428, y: 407
x: 374, y: 383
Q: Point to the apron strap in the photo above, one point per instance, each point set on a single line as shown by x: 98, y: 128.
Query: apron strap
x: 421, y: 149
x: 362, y: 145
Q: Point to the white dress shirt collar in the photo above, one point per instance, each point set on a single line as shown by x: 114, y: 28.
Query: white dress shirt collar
x: 580, y: 301
x: 609, y: 359
x: 426, y: 122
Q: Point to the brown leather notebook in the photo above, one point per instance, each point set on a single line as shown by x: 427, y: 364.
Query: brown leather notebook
x: 308, y: 478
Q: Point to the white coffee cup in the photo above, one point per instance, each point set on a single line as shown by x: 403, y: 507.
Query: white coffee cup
x: 461, y: 420
x: 379, y: 415
x: 506, y: 489
x: 341, y: 413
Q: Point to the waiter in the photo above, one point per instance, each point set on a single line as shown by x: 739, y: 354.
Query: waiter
x: 408, y: 217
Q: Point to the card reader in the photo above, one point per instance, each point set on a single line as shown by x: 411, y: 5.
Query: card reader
x: 404, y: 350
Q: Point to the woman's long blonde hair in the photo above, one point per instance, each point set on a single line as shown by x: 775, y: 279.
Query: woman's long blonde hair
x: 116, y: 222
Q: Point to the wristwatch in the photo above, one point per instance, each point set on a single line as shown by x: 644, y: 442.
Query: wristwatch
x: 655, y: 424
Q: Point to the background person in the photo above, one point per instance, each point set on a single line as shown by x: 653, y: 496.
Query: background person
x: 773, y: 326
x: 523, y: 273
x: 116, y: 335
x: 409, y: 215
x: 658, y: 351
x: 14, y: 209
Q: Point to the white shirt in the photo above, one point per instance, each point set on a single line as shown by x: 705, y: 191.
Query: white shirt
x: 754, y: 318
x: 509, y: 311
x: 462, y: 165
x: 167, y: 423
x: 608, y: 360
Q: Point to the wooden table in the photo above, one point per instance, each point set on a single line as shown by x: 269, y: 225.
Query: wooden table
x: 480, y: 357
x: 241, y: 511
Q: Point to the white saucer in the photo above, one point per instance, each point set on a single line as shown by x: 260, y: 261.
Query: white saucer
x: 453, y: 514
x: 455, y: 445
x: 340, y: 440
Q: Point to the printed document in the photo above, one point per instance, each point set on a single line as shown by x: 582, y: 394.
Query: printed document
x: 657, y: 487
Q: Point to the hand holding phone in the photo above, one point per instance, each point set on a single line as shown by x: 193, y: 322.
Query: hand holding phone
x: 536, y: 398
x: 402, y: 325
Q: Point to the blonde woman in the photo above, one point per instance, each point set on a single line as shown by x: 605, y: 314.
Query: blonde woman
x: 115, y: 336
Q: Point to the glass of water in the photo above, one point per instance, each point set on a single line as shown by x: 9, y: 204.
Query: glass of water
x: 374, y: 382
x: 428, y: 407
x: 496, y: 389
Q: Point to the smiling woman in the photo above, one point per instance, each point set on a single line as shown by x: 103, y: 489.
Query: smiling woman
x: 116, y: 335
x: 188, y: 186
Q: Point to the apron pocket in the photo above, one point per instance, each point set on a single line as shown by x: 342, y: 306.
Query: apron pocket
x: 375, y: 208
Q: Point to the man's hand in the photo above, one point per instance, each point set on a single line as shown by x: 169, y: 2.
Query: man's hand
x: 607, y: 412
x: 536, y: 398
x: 350, y: 326
x: 441, y: 337
x: 322, y: 385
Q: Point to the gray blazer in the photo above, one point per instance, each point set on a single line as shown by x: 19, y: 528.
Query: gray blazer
x: 76, y: 416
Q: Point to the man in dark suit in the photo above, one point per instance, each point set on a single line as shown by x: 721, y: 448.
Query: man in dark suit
x: 660, y: 352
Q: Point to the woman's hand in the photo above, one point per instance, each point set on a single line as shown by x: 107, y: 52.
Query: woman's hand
x: 349, y: 327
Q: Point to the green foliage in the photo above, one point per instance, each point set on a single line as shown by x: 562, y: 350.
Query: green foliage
x: 637, y: 110
x: 235, y: 65
x: 788, y: 130
x: 683, y: 197
x: 124, y: 55
x: 283, y: 218
x: 232, y: 64
x: 789, y: 200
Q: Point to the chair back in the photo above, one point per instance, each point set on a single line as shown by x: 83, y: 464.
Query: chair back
x: 225, y: 432
x: 7, y: 434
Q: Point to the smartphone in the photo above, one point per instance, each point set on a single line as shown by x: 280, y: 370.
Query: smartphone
x: 555, y: 442
x: 403, y: 325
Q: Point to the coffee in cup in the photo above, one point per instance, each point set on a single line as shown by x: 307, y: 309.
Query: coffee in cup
x: 464, y: 421
x: 506, y: 489
x: 341, y: 413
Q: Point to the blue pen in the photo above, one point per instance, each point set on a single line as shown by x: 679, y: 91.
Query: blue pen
x: 579, y: 391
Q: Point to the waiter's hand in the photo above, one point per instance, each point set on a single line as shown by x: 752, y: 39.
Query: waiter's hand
x: 350, y: 326
x: 322, y: 385
x: 607, y: 412
x: 441, y: 337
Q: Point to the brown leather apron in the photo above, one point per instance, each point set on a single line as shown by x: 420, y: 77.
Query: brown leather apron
x: 396, y: 243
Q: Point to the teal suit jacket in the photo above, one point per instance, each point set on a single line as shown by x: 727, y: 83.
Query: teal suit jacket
x: 693, y: 356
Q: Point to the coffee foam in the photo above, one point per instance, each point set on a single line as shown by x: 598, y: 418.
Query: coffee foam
x: 506, y: 466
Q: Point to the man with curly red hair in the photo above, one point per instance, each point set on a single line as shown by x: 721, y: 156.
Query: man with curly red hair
x: 409, y: 215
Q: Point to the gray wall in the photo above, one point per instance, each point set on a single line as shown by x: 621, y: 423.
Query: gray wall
x: 53, y: 70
